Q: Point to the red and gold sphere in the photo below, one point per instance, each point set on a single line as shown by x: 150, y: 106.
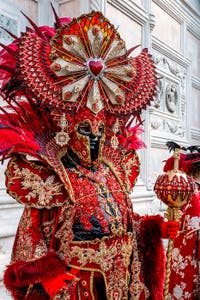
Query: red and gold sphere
x: 174, y: 188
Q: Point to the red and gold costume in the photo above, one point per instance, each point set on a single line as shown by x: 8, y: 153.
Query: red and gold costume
x: 70, y: 95
x: 185, y: 264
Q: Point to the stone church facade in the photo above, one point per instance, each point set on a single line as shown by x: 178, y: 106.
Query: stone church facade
x: 170, y: 29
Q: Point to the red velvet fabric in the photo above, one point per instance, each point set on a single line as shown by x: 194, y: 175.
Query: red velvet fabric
x: 154, y: 259
x: 53, y: 285
x: 22, y: 273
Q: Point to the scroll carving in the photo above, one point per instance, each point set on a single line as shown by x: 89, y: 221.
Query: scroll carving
x: 175, y: 69
x: 173, y: 127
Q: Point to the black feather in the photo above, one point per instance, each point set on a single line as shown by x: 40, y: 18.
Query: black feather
x: 194, y: 149
x: 172, y: 146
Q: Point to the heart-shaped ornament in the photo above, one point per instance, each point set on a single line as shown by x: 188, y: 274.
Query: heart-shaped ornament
x: 95, y: 67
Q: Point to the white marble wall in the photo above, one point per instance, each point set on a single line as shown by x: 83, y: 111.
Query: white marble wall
x: 175, y: 113
x: 171, y: 31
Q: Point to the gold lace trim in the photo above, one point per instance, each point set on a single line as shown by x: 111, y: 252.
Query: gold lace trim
x: 104, y: 255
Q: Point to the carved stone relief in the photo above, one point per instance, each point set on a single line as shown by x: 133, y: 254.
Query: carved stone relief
x: 164, y: 63
x: 156, y: 123
x: 159, y: 93
x: 166, y: 126
x: 171, y: 97
x: 169, y: 113
x: 152, y: 21
x: 173, y: 127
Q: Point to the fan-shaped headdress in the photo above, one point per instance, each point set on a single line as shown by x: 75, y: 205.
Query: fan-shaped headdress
x: 51, y: 78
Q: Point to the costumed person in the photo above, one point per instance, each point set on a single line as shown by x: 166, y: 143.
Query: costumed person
x: 184, y: 281
x: 67, y: 128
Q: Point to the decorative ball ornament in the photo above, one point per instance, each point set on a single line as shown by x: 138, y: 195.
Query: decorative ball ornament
x: 174, y: 187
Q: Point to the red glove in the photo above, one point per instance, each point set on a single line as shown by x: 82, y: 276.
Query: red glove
x: 169, y: 229
x: 53, y: 285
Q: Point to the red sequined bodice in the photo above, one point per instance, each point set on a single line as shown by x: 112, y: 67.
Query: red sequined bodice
x: 101, y: 205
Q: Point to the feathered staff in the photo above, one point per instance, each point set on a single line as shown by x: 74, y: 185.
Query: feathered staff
x: 174, y: 188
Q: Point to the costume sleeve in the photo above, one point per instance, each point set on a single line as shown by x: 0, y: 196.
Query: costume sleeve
x: 34, y: 184
x: 33, y: 258
x: 32, y: 261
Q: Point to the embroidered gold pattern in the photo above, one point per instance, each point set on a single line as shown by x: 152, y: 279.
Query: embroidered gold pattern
x: 27, y: 249
x: 114, y: 140
x: 65, y: 293
x: 105, y: 256
x: 109, y: 206
x: 116, y: 173
x: 137, y: 286
x: 118, y: 283
x: 47, y: 230
x: 43, y: 190
x: 40, y: 249
x: 24, y: 245
x: 65, y: 233
x: 127, y: 167
x: 111, y: 257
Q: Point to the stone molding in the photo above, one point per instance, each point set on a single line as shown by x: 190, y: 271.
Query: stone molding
x: 61, y: 1
x: 196, y: 82
x: 131, y: 9
x: 89, y: 5
x: 167, y: 51
x: 180, y: 12
x: 195, y: 135
x: 152, y: 21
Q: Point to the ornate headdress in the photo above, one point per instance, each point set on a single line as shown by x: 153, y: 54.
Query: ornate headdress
x: 51, y: 79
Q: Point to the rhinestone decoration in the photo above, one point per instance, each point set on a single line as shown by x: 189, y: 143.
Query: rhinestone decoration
x: 95, y: 67
x: 62, y: 138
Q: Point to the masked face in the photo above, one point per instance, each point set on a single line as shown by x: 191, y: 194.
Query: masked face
x: 87, y: 141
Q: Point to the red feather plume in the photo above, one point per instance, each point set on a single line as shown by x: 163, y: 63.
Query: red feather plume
x: 129, y: 138
x: 7, y: 60
x: 23, y: 129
